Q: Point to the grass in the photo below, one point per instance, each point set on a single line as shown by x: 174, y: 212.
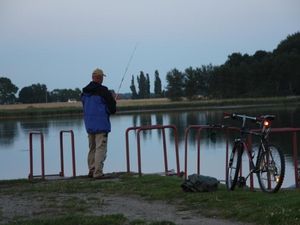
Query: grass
x: 91, y: 220
x: 242, y: 205
x: 125, y: 106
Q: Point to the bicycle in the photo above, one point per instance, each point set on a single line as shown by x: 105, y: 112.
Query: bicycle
x: 270, y: 163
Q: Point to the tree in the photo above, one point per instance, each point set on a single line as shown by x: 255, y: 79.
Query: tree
x: 175, y: 86
x: 147, y: 86
x: 197, y: 81
x: 289, y: 45
x: 142, y: 83
x: 286, y: 65
x: 133, y: 89
x: 7, y: 91
x: 233, y: 79
x: 193, y: 82
x: 215, y: 87
x: 157, y: 85
x: 36, y: 93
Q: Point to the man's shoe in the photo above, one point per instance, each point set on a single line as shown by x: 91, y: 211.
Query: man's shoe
x: 99, y: 177
x: 91, y: 174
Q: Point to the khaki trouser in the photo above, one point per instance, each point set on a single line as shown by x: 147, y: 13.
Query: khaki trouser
x: 97, y: 153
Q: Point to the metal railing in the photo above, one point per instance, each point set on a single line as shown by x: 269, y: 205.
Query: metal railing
x: 62, y: 173
x: 31, y: 175
x: 31, y: 134
x: 152, y: 127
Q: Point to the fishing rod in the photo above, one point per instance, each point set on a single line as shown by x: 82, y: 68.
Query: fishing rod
x: 126, y: 69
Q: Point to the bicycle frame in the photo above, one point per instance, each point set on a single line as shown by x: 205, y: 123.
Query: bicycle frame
x: 245, y: 148
x: 254, y: 167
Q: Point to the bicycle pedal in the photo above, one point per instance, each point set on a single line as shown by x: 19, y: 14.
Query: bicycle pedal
x: 241, y: 181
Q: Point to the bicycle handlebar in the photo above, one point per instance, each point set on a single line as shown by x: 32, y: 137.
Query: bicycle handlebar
x: 245, y: 117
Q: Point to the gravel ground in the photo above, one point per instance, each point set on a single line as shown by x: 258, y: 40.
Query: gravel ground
x: 34, y: 205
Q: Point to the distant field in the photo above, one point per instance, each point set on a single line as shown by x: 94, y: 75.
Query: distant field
x: 121, y: 103
x: 40, y: 105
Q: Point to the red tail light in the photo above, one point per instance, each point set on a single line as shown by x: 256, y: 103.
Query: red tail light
x: 267, y: 123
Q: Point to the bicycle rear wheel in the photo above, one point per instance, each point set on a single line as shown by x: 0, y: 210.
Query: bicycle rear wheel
x: 234, y: 166
x: 271, y: 169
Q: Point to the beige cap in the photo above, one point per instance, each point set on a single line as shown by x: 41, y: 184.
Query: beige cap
x: 98, y: 72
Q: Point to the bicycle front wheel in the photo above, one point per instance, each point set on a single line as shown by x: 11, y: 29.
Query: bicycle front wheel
x: 234, y: 166
x: 271, y: 169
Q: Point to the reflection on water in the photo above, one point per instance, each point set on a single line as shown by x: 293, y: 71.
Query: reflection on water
x: 159, y: 118
x: 14, y: 140
x: 8, y: 132
x: 11, y: 129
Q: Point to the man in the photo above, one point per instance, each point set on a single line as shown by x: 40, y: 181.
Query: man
x: 98, y: 105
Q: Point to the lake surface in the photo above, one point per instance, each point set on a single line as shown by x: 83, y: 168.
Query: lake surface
x: 14, y: 142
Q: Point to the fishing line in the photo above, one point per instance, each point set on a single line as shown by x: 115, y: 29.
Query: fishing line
x: 126, y: 69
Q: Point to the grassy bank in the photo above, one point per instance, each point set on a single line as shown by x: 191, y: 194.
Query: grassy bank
x: 127, y: 106
x: 241, y: 205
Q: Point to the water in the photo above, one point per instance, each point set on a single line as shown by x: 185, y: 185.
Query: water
x: 14, y: 143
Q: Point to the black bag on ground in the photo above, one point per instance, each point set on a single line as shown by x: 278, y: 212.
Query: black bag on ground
x: 200, y: 183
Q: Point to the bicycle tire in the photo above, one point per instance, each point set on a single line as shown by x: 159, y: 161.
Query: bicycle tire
x: 271, y: 169
x: 234, y: 164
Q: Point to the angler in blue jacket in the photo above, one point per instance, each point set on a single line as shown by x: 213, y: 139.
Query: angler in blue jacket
x: 98, y: 104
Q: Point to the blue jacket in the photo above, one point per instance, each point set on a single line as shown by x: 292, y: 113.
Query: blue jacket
x: 98, y: 103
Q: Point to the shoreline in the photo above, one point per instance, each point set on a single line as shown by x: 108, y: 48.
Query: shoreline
x: 142, y: 106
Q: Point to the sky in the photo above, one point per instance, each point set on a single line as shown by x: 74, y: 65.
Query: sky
x: 60, y: 42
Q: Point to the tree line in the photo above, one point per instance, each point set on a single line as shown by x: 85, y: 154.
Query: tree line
x: 38, y: 93
x: 262, y: 74
x: 35, y: 93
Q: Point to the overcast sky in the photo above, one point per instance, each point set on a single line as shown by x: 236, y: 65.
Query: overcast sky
x: 60, y: 42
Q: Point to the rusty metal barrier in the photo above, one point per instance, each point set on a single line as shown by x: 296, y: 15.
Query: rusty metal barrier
x: 152, y: 127
x: 199, y: 128
x: 31, y: 176
x: 62, y: 173
x: 249, y: 141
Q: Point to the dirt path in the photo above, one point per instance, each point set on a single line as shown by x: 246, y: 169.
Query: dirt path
x: 52, y: 204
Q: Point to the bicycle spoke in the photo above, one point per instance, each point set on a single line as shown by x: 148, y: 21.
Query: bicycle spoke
x: 271, y: 173
x: 233, y: 167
